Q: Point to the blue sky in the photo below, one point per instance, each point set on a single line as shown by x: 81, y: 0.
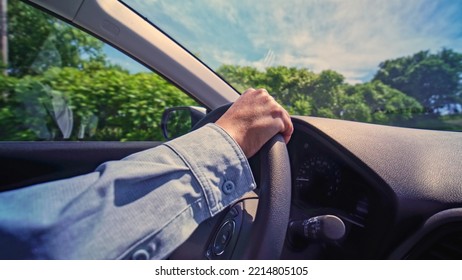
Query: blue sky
x: 350, y: 37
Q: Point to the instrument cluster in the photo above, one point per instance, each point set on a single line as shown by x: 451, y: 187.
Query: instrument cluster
x: 325, y: 183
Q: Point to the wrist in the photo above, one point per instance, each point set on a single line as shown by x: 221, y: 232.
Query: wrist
x: 232, y: 133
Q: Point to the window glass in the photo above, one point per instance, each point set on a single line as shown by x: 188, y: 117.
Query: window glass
x: 389, y: 62
x: 61, y: 84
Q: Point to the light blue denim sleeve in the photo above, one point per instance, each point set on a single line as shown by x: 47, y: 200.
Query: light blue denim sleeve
x: 145, y: 205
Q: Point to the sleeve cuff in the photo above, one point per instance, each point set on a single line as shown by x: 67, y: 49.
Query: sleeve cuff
x: 218, y: 164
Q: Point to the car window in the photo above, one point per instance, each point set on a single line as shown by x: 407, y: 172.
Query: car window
x: 388, y: 62
x: 60, y: 83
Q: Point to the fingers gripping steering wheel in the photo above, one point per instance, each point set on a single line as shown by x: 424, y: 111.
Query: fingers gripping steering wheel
x: 268, y: 230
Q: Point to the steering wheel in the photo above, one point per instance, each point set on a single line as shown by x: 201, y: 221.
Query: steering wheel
x: 274, y: 193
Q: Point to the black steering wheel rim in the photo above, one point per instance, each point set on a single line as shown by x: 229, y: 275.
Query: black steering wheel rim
x: 270, y: 225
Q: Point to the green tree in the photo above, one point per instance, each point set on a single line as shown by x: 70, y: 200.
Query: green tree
x: 106, y: 104
x: 378, y: 103
x: 286, y: 84
x: 241, y: 77
x: 52, y: 42
x: 327, y: 91
x: 433, y: 79
x: 303, y: 92
x: 289, y: 86
x: 61, y: 86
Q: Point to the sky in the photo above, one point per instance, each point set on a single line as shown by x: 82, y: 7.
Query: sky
x: 351, y: 37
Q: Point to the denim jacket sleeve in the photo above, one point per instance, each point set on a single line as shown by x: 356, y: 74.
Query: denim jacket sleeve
x: 143, y: 206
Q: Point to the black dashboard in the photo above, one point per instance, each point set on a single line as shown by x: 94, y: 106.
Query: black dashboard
x: 326, y: 181
x: 372, y: 179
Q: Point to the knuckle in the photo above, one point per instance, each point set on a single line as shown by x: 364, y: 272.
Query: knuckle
x: 262, y: 92
x: 277, y: 112
x: 268, y: 98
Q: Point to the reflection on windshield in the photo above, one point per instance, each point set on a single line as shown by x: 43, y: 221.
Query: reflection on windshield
x: 389, y: 62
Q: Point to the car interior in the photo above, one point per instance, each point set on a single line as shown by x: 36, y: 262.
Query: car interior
x: 339, y: 189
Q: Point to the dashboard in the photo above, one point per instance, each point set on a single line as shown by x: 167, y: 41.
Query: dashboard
x: 325, y: 182
x: 395, y: 189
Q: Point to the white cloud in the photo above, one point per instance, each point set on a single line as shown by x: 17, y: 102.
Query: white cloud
x: 351, y: 37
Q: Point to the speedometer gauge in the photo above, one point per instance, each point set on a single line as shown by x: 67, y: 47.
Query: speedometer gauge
x: 318, y: 180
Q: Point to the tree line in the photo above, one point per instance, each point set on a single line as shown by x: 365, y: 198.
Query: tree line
x: 421, y: 90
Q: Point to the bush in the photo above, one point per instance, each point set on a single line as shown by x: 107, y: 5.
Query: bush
x: 92, y: 104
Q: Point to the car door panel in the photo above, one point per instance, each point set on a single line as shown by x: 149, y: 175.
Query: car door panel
x: 28, y: 163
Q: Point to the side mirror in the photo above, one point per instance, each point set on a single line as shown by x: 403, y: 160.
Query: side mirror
x: 177, y: 121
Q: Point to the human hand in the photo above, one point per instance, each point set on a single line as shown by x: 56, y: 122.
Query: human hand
x: 254, y: 118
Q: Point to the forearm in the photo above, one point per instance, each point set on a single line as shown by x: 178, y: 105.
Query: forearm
x: 149, y: 201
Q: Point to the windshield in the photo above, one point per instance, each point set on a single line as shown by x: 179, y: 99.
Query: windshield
x: 387, y: 62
